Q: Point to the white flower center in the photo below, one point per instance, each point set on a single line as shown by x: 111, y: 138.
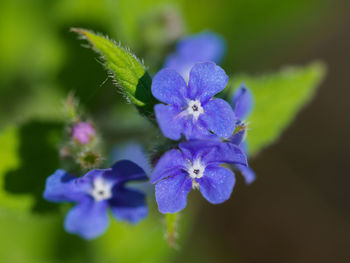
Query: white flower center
x: 194, y: 108
x: 102, y: 190
x: 196, y: 169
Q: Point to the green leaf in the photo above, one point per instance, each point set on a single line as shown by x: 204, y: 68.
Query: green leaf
x: 128, y: 71
x: 278, y: 99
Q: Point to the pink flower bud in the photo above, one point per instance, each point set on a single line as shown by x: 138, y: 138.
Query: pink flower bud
x: 83, y: 132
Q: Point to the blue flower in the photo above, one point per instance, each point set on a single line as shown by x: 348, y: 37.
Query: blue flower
x: 242, y: 103
x: 190, y: 109
x: 205, y: 46
x: 196, y: 164
x: 94, y: 193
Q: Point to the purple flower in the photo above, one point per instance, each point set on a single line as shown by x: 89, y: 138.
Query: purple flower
x: 242, y: 103
x: 191, y: 109
x: 83, y: 132
x: 95, y: 193
x: 205, y: 46
x: 196, y: 164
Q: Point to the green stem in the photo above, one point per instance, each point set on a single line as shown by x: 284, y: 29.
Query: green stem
x: 171, y: 227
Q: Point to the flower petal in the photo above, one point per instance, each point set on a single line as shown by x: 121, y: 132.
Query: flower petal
x: 238, y: 137
x: 247, y: 173
x: 217, y: 184
x: 93, y: 174
x: 169, y: 120
x: 245, y: 147
x: 242, y: 102
x: 230, y: 153
x: 125, y: 170
x: 88, y: 219
x: 195, y: 149
x: 205, y: 46
x: 219, y: 117
x: 195, y: 130
x: 171, y: 162
x: 134, y: 152
x: 129, y: 205
x: 181, y: 64
x: 206, y: 80
x: 171, y: 193
x: 169, y: 87
x: 213, y: 152
x: 63, y: 187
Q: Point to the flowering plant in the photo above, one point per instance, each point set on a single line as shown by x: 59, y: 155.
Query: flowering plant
x: 188, y: 100
x: 203, y: 123
x: 102, y: 167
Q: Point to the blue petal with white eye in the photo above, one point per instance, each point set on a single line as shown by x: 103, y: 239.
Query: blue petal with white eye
x: 95, y: 193
x: 193, y: 112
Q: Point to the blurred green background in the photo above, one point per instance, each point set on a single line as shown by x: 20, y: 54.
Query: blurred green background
x: 296, y: 211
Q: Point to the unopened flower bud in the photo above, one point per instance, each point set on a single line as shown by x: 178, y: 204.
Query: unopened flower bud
x: 89, y: 160
x: 83, y: 132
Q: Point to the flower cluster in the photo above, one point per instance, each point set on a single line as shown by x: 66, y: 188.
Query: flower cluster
x: 191, y: 110
x: 211, y: 134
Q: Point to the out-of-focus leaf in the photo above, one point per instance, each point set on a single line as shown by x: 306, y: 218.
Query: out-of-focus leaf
x: 278, y: 98
x: 34, y: 238
x: 133, y: 18
x: 128, y: 71
x: 31, y: 48
x: 9, y: 159
x: 21, y: 109
x: 31, y: 154
x: 32, y: 234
